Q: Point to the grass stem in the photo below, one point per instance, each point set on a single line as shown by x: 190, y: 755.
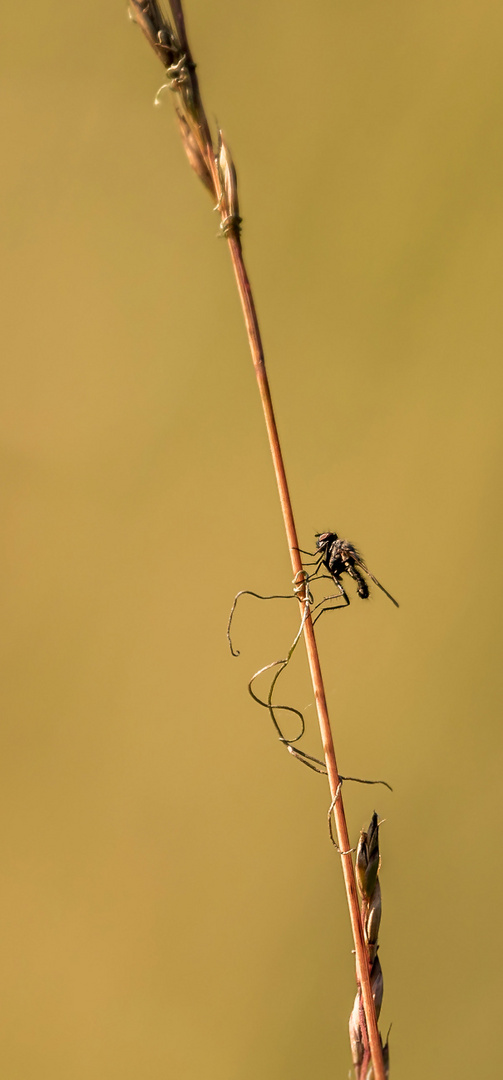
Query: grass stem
x: 216, y: 170
x: 362, y: 964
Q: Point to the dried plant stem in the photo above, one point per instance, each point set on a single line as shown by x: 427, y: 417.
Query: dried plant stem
x: 217, y: 173
x: 362, y: 963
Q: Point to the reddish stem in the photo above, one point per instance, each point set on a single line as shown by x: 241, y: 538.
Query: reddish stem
x: 362, y: 965
x: 150, y: 19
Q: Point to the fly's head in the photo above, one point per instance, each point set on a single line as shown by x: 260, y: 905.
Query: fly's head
x: 325, y: 540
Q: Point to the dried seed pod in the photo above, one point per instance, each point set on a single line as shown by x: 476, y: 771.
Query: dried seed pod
x: 155, y: 26
x: 195, y: 155
x: 367, y: 859
x: 229, y: 196
x: 377, y: 985
x: 355, y: 1036
x: 385, y: 1057
x: 373, y: 921
x: 367, y: 870
x: 361, y: 862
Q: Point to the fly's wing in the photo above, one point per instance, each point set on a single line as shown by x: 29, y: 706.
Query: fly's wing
x: 359, y: 561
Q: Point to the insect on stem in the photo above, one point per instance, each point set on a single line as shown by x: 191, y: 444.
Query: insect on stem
x: 215, y: 168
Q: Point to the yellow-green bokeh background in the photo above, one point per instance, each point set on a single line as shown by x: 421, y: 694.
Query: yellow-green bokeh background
x: 171, y: 906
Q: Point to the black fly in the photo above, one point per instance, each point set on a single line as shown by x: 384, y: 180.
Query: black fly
x: 341, y: 557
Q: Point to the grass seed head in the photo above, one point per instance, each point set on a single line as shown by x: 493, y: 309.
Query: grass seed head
x: 229, y: 183
x: 195, y: 155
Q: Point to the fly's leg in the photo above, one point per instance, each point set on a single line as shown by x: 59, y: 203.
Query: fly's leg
x: 337, y: 607
x: 319, y: 566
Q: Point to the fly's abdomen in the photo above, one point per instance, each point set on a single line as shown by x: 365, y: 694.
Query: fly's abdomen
x: 361, y: 585
x: 362, y: 588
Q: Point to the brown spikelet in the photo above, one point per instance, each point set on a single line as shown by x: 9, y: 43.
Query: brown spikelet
x: 367, y: 868
x: 195, y: 155
x: 231, y: 223
x: 156, y: 27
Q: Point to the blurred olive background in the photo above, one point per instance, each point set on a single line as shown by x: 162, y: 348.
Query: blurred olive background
x: 171, y: 904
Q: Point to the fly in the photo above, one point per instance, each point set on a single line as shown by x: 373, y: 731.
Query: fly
x: 341, y: 557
